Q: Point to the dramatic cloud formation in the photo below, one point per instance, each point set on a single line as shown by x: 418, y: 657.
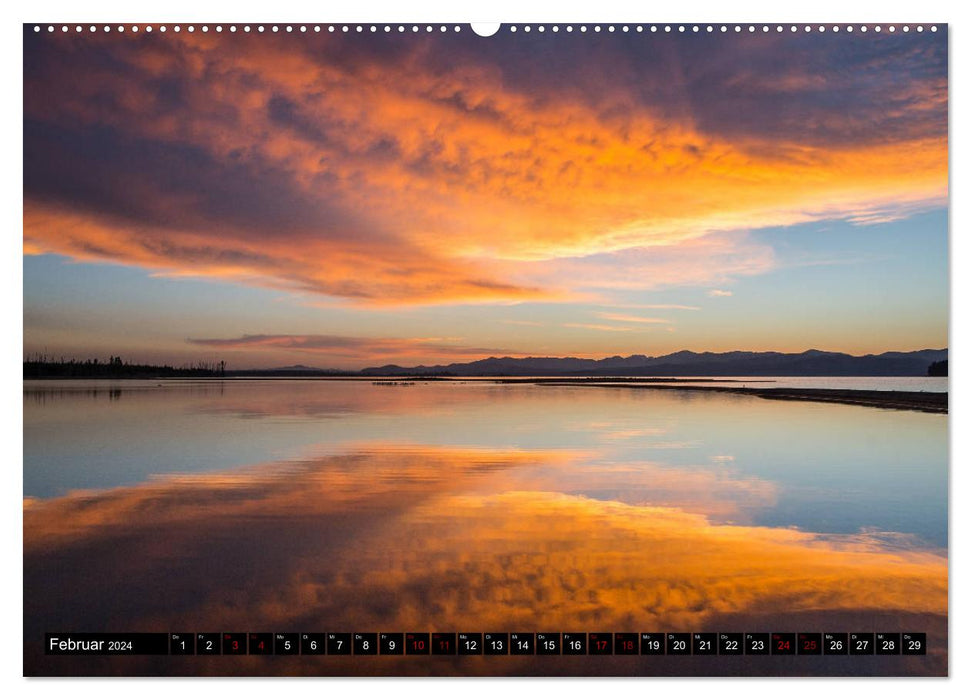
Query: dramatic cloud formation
x: 391, y: 170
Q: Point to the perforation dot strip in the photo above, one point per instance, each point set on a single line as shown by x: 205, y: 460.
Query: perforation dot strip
x: 512, y: 28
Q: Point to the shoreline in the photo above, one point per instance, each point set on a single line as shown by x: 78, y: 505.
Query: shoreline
x: 924, y: 401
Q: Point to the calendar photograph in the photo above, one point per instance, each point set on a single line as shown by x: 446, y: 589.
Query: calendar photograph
x: 613, y: 350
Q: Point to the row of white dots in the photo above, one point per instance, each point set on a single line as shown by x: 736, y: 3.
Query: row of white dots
x: 695, y: 28
x: 513, y: 28
x: 247, y: 28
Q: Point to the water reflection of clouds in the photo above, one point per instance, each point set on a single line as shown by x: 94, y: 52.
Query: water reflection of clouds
x: 464, y: 538
x: 719, y: 493
x: 536, y: 515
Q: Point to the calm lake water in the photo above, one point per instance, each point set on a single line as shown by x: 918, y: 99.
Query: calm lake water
x: 316, y: 506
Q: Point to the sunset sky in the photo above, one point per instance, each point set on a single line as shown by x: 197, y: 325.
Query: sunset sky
x: 350, y: 200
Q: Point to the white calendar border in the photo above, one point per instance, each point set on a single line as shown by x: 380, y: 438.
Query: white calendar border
x: 436, y: 11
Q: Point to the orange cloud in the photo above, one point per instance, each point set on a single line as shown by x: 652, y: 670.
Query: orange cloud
x: 377, y: 179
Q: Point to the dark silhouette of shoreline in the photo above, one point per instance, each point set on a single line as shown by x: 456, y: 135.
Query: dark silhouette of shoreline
x: 924, y: 401
x: 937, y: 369
x: 42, y: 367
x: 811, y: 363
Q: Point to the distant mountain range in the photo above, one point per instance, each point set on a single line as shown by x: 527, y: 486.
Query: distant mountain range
x: 811, y: 363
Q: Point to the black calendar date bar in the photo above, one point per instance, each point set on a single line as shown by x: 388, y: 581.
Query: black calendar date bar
x: 489, y: 643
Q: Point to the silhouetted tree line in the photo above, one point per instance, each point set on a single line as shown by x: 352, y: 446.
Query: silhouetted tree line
x: 43, y: 366
x: 937, y: 369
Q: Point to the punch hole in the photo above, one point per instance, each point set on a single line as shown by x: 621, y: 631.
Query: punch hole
x: 485, y: 29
